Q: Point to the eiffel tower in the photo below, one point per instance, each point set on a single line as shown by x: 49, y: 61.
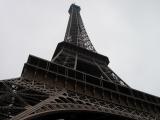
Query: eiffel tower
x: 76, y: 84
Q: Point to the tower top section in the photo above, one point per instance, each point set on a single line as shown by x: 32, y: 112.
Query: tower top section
x: 76, y: 33
x: 74, y: 8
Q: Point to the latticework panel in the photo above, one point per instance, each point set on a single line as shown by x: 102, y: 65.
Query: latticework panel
x: 40, y: 91
x: 76, y: 33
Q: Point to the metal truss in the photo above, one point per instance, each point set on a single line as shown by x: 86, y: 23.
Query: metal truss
x: 111, y: 108
x: 70, y: 59
x: 110, y: 75
x: 76, y: 33
x: 76, y: 79
x: 15, y: 98
x: 23, y: 99
x: 65, y: 100
x: 66, y: 59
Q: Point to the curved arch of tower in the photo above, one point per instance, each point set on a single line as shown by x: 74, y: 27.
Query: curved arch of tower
x: 76, y: 84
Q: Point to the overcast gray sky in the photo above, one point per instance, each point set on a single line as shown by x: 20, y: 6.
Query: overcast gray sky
x: 127, y: 31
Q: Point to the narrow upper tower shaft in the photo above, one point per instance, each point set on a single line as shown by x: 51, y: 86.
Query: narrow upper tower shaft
x: 76, y: 33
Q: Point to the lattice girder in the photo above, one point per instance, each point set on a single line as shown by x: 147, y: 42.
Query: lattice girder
x: 77, y: 80
x: 15, y: 98
x: 76, y: 94
x: 76, y: 33
x: 76, y: 102
x: 72, y: 97
x: 76, y: 58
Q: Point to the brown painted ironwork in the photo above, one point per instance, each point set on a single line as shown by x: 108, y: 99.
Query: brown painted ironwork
x: 76, y: 84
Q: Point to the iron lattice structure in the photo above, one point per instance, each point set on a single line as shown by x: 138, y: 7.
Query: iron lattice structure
x: 76, y: 84
x: 76, y: 33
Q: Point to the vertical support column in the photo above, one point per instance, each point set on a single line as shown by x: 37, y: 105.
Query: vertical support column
x: 76, y: 58
x: 56, y: 56
x: 84, y: 78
